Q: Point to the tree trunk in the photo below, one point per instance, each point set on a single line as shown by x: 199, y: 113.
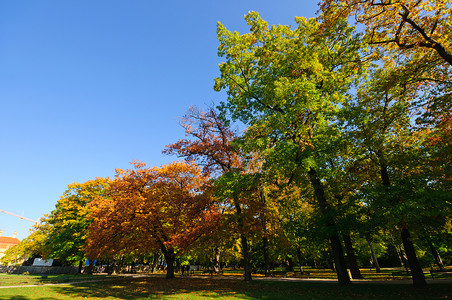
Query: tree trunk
x: 336, y: 247
x: 90, y: 268
x: 265, y: 239
x: 155, y: 261
x: 216, y: 261
x: 244, y: 241
x: 290, y: 264
x: 246, y: 258
x: 299, y: 259
x: 351, y: 258
x: 374, y: 257
x: 436, y: 256
x: 80, y: 266
x: 266, y: 258
x: 399, y: 254
x: 170, y: 257
x: 416, y: 270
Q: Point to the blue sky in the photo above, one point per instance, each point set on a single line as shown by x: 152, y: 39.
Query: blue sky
x: 89, y: 86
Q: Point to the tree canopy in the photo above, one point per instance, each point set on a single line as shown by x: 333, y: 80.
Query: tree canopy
x: 347, y: 145
x: 166, y: 209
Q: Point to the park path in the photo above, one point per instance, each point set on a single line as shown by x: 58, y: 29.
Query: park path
x: 287, y: 279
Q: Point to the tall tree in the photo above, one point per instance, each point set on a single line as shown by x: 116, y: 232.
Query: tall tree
x: 414, y: 34
x: 210, y: 144
x: 151, y: 209
x: 287, y: 85
x: 69, y: 221
x: 381, y: 128
x: 406, y: 25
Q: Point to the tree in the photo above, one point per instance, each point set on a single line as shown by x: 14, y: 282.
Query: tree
x: 380, y: 127
x: 416, y: 36
x: 150, y: 209
x: 407, y: 25
x: 31, y: 247
x: 287, y: 85
x: 69, y: 221
x: 210, y: 144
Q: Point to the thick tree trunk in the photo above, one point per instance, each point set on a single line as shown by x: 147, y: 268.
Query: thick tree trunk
x: 244, y: 241
x: 436, y: 256
x: 339, y: 260
x: 336, y: 247
x: 415, y: 268
x: 300, y: 263
x: 90, y: 268
x: 290, y: 264
x: 351, y: 257
x: 246, y: 259
x: 216, y: 261
x: 374, y: 257
x: 170, y: 257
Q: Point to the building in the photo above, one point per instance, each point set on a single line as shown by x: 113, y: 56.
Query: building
x: 7, y: 242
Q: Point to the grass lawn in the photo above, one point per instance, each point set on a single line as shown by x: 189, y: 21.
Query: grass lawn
x: 193, y: 288
x: 12, y: 279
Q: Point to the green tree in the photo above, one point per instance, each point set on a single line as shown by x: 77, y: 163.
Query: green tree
x: 380, y: 126
x: 415, y: 36
x: 31, y: 247
x: 288, y: 86
x: 69, y: 221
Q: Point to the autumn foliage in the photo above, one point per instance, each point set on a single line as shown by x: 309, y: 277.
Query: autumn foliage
x: 348, y: 140
x: 209, y: 142
x: 148, y: 209
x: 404, y: 24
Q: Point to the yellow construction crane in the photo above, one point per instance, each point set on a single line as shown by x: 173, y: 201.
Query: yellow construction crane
x: 22, y: 217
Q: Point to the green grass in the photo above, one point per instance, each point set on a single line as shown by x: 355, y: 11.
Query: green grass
x: 193, y: 288
x: 13, y: 279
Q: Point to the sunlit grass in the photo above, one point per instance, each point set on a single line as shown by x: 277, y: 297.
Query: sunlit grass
x: 18, y: 279
x: 196, y: 288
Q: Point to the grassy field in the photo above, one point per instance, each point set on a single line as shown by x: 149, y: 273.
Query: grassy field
x: 13, y: 280
x: 195, y: 288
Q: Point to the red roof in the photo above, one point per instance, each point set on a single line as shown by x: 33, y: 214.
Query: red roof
x: 9, y: 240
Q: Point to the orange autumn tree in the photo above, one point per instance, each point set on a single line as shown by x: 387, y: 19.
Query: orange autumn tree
x: 151, y: 209
x: 403, y: 25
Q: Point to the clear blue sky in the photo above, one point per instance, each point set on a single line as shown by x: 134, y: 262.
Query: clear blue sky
x: 89, y: 86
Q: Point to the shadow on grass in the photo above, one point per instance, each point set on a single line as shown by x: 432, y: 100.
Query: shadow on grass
x: 21, y: 279
x: 158, y: 288
x: 194, y: 288
x: 27, y: 298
